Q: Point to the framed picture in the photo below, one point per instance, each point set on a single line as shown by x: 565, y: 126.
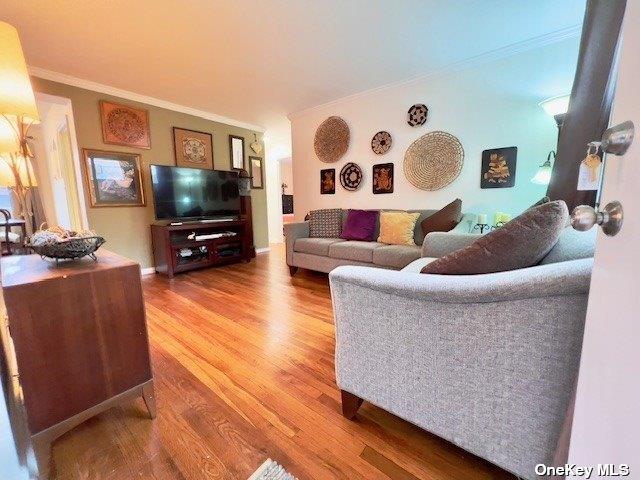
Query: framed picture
x: 257, y: 172
x: 383, y: 178
x: 236, y: 152
x: 124, y: 125
x: 499, y: 167
x: 193, y: 149
x: 114, y: 179
x: 328, y: 181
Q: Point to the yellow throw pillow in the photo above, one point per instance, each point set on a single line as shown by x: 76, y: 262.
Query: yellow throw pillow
x: 396, y: 228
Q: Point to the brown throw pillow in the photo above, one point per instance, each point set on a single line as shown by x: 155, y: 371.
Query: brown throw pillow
x: 444, y: 219
x: 520, y: 243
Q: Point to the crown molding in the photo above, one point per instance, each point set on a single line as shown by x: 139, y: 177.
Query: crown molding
x: 137, y: 97
x: 477, y: 60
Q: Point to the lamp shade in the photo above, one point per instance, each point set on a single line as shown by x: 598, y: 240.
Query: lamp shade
x: 17, y: 101
x: 14, y: 168
x: 556, y: 105
x: 543, y: 175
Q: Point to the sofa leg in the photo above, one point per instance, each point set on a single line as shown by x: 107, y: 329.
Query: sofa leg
x: 292, y: 270
x: 350, y: 404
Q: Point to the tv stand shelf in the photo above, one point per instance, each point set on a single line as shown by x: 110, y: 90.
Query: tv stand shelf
x: 174, y: 252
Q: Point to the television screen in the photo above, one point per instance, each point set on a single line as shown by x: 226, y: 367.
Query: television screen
x: 194, y: 193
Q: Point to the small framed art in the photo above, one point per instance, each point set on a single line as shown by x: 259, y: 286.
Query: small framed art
x: 383, y: 178
x: 499, y: 167
x: 114, y: 179
x: 328, y: 181
x: 257, y: 172
x: 124, y: 125
x: 236, y: 152
x: 193, y: 149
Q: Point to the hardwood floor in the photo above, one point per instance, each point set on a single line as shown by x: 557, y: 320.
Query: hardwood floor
x: 243, y: 365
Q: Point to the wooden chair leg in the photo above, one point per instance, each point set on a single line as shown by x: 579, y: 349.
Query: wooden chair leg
x: 292, y: 270
x: 149, y: 399
x: 350, y: 404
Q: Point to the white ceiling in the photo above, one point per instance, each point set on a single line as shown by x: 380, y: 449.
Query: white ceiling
x: 258, y: 60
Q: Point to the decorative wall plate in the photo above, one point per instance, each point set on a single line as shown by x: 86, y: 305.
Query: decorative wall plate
x: 332, y: 139
x: 417, y: 115
x: 433, y: 161
x: 381, y: 143
x: 124, y: 125
x: 351, y: 176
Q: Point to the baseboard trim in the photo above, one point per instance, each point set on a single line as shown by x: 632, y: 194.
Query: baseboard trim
x: 262, y: 250
x: 148, y: 271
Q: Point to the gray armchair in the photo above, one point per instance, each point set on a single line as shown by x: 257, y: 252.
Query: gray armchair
x: 487, y: 362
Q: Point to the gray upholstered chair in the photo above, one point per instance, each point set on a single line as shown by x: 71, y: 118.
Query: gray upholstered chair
x: 487, y: 362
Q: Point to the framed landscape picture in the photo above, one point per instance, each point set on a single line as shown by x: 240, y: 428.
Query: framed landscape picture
x: 124, y: 125
x: 499, y: 167
x: 328, y: 181
x: 114, y: 179
x: 193, y: 149
x: 236, y: 152
x: 257, y: 172
x: 383, y: 178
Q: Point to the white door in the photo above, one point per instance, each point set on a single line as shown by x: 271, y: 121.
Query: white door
x: 606, y: 427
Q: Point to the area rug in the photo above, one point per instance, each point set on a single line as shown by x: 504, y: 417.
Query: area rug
x: 271, y: 470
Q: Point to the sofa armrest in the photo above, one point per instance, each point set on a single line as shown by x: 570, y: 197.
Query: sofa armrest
x: 293, y: 231
x: 439, y: 244
x: 565, y: 278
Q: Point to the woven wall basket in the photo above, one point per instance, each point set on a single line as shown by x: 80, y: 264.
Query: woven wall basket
x: 332, y: 139
x: 433, y: 161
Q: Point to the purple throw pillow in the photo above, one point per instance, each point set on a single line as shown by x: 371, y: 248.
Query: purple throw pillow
x: 360, y: 225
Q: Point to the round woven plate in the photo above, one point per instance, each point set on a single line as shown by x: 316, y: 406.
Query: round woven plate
x: 332, y: 139
x: 433, y: 161
x: 351, y: 176
x: 417, y: 115
x: 381, y: 143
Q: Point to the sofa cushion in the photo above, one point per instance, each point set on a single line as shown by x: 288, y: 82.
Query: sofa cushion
x: 316, y: 246
x: 396, y: 256
x: 360, y: 225
x: 417, y: 265
x: 396, y: 228
x: 572, y: 245
x: 520, y: 243
x: 444, y: 219
x: 354, y: 250
x: 325, y: 223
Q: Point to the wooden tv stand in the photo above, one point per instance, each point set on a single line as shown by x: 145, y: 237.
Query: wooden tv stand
x: 173, y: 252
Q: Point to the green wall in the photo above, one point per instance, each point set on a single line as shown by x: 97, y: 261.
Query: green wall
x: 127, y: 228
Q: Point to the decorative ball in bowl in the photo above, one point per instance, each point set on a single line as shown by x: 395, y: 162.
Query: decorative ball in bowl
x: 61, y: 244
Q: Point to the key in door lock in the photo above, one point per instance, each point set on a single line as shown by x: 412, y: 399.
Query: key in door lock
x: 616, y: 141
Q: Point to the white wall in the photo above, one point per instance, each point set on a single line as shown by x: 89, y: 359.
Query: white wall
x: 487, y: 106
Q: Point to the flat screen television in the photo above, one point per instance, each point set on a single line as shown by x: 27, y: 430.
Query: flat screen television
x: 194, y: 193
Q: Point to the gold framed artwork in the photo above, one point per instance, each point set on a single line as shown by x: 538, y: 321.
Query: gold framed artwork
x: 124, y: 125
x: 257, y: 172
x: 114, y: 179
x: 236, y: 152
x: 192, y: 148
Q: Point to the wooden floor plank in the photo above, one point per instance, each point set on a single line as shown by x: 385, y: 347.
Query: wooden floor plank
x: 243, y: 360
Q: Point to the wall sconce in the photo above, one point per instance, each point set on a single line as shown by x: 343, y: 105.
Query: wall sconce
x: 543, y: 175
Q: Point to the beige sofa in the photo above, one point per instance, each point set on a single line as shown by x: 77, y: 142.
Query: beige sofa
x: 325, y: 254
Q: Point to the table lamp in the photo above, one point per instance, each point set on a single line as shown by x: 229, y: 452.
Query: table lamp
x: 18, y: 111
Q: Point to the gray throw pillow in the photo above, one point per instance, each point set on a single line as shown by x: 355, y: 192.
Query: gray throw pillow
x: 326, y: 223
x: 520, y: 243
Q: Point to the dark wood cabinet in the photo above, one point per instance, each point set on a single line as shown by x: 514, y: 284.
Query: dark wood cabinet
x: 176, y: 248
x: 76, y: 338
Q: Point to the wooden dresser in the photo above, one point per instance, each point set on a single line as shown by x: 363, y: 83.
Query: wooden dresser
x: 76, y: 340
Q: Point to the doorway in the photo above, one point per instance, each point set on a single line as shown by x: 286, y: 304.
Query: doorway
x: 57, y: 165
